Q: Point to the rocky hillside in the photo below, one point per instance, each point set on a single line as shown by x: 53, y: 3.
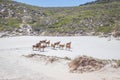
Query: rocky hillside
x: 88, y: 19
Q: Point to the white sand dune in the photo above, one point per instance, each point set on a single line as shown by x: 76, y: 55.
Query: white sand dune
x: 90, y: 45
x: 14, y: 66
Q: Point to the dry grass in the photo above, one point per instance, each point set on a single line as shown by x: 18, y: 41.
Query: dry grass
x: 85, y: 64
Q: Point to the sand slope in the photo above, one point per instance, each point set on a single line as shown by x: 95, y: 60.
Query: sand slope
x: 14, y: 66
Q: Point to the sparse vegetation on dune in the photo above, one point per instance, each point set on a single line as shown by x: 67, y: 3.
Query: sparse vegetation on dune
x: 118, y: 62
x: 47, y: 59
x: 86, y: 64
x: 80, y: 64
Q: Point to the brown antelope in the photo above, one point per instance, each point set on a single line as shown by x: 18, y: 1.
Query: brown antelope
x: 36, y: 46
x: 53, y: 46
x: 48, y: 43
x: 61, y: 46
x: 68, y: 45
x: 57, y: 43
x: 43, y: 41
x: 42, y: 47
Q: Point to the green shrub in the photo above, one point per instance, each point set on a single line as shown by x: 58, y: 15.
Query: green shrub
x: 105, y: 29
x: 118, y: 62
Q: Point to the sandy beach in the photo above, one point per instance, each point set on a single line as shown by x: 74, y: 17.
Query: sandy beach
x: 14, y: 66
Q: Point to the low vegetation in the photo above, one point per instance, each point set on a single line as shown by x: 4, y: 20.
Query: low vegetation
x: 118, y: 62
x: 98, y: 16
x: 85, y: 64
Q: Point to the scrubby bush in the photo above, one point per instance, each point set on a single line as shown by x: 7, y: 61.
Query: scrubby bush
x: 118, y: 62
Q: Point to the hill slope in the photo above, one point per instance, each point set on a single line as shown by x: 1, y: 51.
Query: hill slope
x: 91, y: 17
